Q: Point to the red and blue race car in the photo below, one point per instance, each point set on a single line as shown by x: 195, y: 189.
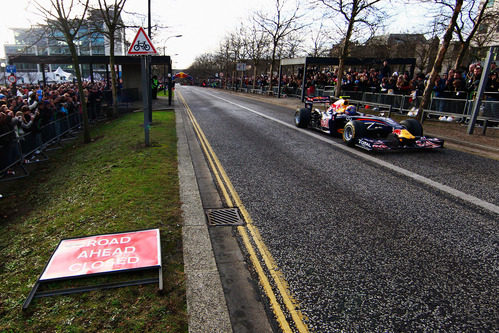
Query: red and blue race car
x: 365, y: 131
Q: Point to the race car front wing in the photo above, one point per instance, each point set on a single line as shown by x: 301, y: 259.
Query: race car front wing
x: 422, y: 142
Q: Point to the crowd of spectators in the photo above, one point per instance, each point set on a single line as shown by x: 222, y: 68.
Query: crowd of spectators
x: 28, y: 109
x: 450, y: 90
x: 453, y: 84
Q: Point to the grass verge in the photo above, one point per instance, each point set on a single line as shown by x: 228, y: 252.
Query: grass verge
x: 113, y: 184
x: 164, y: 94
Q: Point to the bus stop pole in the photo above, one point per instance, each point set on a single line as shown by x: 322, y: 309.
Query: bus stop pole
x: 279, y: 82
x: 170, y: 82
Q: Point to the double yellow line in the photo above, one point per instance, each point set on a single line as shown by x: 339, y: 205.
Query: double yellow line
x: 250, y: 233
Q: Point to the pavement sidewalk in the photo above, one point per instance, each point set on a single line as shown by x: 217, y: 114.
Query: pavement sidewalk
x: 206, y: 306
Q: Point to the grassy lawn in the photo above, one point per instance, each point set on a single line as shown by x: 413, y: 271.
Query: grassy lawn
x: 165, y: 94
x: 113, y: 184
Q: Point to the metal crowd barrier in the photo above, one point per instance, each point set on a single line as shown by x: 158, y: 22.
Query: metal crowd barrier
x: 458, y: 107
x: 30, y: 147
x: 9, y: 151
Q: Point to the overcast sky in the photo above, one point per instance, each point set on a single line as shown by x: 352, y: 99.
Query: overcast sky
x: 202, y: 23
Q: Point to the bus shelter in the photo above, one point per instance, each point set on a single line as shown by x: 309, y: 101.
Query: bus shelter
x: 130, y: 66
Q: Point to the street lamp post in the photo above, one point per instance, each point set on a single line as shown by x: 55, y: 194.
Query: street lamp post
x: 149, y: 18
x: 164, y: 65
x: 164, y: 72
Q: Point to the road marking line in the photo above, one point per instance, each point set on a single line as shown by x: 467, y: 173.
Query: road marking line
x: 265, y: 254
x: 444, y: 188
x: 205, y: 145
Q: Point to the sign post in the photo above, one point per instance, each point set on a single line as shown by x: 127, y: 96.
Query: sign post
x: 12, y: 78
x: 11, y: 69
x: 241, y: 67
x: 144, y: 68
x: 143, y: 46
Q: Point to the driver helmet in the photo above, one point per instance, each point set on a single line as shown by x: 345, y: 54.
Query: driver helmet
x: 351, y: 110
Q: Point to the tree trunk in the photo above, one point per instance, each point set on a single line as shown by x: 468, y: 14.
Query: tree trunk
x: 437, y: 66
x: 343, y: 56
x: 114, y: 90
x: 81, y: 93
x: 462, y: 52
x: 272, y: 66
x: 345, y: 48
x: 466, y: 44
x: 254, y: 76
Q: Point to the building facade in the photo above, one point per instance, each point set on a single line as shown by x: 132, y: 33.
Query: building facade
x: 488, y: 31
x: 41, y: 41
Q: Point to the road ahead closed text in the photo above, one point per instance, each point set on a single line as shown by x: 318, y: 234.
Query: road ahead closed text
x: 104, y: 253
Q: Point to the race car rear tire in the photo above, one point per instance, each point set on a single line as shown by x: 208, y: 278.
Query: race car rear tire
x: 352, y: 131
x: 302, y: 118
x: 413, y: 126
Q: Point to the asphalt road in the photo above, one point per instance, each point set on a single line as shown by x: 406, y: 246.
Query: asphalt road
x: 362, y: 248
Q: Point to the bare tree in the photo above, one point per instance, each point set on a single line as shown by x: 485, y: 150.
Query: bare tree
x: 292, y: 46
x: 356, y: 14
x: 236, y: 45
x: 255, y: 44
x: 204, y: 66
x: 427, y: 51
x: 224, y: 58
x: 437, y: 66
x: 469, y: 20
x: 109, y: 23
x: 67, y: 17
x: 320, y: 39
x: 278, y: 26
x: 488, y: 27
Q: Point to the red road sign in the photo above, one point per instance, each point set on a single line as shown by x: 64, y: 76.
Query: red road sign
x: 104, y: 254
x: 141, y: 44
x: 12, y: 78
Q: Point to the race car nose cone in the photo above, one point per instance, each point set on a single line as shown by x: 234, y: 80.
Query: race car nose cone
x: 404, y: 134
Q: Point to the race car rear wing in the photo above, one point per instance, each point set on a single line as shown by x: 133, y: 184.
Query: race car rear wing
x: 318, y: 99
x: 310, y: 101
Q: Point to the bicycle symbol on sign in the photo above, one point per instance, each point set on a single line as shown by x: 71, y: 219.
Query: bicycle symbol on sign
x: 141, y: 45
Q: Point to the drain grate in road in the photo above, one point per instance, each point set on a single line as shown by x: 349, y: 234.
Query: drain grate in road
x: 224, y: 217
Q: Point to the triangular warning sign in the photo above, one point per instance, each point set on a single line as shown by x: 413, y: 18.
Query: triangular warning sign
x: 141, y: 44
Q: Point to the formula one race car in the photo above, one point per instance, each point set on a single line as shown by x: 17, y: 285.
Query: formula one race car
x: 365, y: 131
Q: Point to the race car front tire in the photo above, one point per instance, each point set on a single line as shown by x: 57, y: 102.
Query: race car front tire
x: 352, y: 131
x: 302, y: 118
x: 413, y: 126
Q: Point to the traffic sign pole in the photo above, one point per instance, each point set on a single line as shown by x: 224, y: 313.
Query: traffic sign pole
x: 142, y: 45
x: 145, y: 96
x: 149, y: 95
x: 12, y: 78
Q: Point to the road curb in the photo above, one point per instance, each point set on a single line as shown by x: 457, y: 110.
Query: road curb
x: 206, y: 306
x: 468, y: 144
